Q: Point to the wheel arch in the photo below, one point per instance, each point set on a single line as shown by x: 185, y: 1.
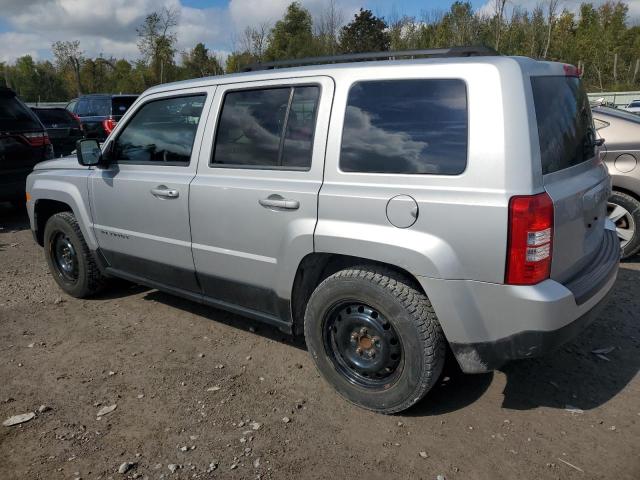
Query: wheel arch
x: 43, y: 210
x: 50, y: 197
x: 316, y: 267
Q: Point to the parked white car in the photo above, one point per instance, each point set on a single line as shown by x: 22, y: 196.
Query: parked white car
x: 633, y: 107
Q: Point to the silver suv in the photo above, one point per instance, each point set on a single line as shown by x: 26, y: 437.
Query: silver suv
x: 389, y: 210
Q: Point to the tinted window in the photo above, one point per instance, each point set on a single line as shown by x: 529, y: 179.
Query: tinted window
x: 72, y: 105
x: 406, y: 126
x: 94, y: 107
x: 119, y: 105
x: 634, y: 104
x: 14, y: 116
x: 269, y: 128
x: 161, y: 131
x: 54, y: 116
x: 565, y: 128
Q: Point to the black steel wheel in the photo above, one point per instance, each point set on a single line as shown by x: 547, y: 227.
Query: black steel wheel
x: 362, y: 344
x: 65, y: 257
x: 70, y: 261
x: 375, y: 338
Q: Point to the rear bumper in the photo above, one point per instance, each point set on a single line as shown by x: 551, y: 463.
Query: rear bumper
x: 13, y: 189
x: 489, y: 324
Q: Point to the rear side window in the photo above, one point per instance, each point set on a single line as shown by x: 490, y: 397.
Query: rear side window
x: 406, y: 127
x: 161, y: 131
x: 14, y: 116
x: 54, y: 116
x: 267, y: 128
x: 565, y: 129
x: 119, y: 105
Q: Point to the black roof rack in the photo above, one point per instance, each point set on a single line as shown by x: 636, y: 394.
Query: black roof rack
x: 370, y: 56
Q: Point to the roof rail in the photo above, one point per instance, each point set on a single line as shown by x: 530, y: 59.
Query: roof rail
x: 369, y: 56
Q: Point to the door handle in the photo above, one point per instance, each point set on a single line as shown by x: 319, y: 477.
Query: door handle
x: 164, y: 192
x: 277, y: 202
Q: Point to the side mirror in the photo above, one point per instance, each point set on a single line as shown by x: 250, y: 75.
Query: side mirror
x: 88, y: 152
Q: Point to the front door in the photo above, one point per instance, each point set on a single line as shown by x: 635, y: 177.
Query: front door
x: 254, y: 201
x: 140, y: 203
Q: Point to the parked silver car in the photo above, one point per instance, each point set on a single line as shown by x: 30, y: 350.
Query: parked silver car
x: 621, y: 153
x: 633, y: 107
x: 388, y: 210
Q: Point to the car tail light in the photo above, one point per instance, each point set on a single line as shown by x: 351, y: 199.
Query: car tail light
x: 37, y: 139
x: 571, y: 70
x: 77, y: 119
x: 530, y: 239
x: 109, y: 124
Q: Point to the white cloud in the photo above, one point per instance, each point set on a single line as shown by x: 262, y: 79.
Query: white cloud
x: 18, y: 44
x: 109, y: 27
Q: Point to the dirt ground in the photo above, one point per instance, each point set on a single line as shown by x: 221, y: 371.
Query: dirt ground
x: 198, y: 390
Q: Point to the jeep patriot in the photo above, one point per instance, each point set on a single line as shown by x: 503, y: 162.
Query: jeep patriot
x: 389, y: 210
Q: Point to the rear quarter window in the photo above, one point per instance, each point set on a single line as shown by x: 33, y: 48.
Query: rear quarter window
x: 15, y: 116
x: 406, y: 127
x: 566, y: 133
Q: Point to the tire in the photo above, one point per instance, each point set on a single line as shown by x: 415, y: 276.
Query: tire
x: 630, y: 221
x: 83, y: 278
x: 388, y: 305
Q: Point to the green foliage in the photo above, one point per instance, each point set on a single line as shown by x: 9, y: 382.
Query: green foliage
x: 597, y: 39
x: 365, y: 33
x: 199, y: 63
x: 292, y: 37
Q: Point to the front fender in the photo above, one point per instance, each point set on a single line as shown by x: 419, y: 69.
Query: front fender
x: 71, y: 190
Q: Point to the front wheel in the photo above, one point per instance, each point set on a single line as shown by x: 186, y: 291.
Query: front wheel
x: 375, y: 338
x: 69, y: 258
x: 624, y: 211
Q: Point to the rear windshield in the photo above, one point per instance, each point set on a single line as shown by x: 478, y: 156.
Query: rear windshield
x: 565, y: 128
x: 14, y: 116
x: 121, y: 104
x: 50, y: 116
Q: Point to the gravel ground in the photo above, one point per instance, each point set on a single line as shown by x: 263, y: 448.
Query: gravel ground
x: 200, y: 394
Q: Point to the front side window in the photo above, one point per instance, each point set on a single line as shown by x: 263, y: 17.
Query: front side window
x: 267, y: 128
x: 406, y: 127
x: 161, y: 131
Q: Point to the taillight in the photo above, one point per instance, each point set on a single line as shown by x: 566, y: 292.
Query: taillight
x: 36, y: 139
x: 530, y: 239
x: 109, y: 124
x: 77, y: 119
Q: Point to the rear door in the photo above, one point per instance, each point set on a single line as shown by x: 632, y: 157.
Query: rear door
x: 254, y: 202
x: 573, y: 175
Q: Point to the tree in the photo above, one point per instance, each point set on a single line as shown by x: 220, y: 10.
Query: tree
x: 328, y: 28
x: 498, y: 8
x: 292, y: 37
x: 69, y: 55
x: 198, y: 63
x: 365, y: 33
x: 552, y: 8
x: 157, y: 40
x: 256, y: 40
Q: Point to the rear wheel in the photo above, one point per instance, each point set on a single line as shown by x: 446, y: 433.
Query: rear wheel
x: 375, y: 338
x: 70, y: 260
x: 624, y: 211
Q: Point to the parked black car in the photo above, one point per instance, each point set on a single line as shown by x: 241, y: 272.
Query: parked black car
x: 99, y: 113
x: 63, y: 127
x: 23, y: 143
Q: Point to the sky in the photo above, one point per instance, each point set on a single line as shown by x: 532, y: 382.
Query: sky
x: 108, y: 27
